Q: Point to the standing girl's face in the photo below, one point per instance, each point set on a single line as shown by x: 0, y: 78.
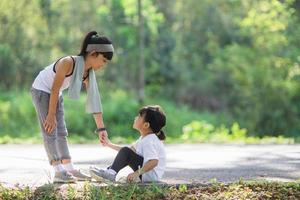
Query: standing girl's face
x: 97, y: 61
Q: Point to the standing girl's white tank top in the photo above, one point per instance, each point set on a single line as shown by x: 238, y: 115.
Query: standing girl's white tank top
x: 45, y: 78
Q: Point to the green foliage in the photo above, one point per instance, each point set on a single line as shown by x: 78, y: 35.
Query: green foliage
x: 259, y: 91
x: 239, y: 190
x: 182, y: 188
x: 18, y: 118
x: 238, y: 58
x: 179, y: 115
x: 15, y: 193
x: 19, y: 124
x: 201, y: 131
x: 119, y: 111
x: 17, y: 115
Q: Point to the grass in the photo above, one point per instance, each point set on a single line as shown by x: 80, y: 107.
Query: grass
x: 242, y: 190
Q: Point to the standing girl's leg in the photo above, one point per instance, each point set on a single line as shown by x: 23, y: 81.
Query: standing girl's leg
x: 62, y: 133
x: 41, y: 103
x: 62, y: 143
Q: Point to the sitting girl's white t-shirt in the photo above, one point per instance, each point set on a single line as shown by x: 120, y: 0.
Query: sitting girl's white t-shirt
x: 150, y: 147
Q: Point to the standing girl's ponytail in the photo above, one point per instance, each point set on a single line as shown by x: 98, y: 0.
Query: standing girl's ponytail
x: 85, y: 42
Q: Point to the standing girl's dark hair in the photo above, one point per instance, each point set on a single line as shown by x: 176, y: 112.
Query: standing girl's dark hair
x: 156, y: 118
x: 93, y: 38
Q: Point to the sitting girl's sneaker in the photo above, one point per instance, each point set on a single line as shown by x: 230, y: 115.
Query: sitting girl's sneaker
x: 79, y: 175
x: 102, y: 175
x: 63, y: 177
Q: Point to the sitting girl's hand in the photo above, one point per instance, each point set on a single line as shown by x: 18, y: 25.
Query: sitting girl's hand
x: 133, y: 177
x: 104, y: 138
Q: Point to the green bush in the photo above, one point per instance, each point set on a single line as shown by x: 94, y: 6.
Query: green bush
x: 202, y: 131
x: 119, y: 111
x: 18, y: 118
x: 18, y: 121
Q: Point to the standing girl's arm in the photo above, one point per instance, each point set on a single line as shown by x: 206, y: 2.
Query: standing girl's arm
x: 97, y: 117
x: 99, y: 123
x: 98, y: 120
x: 63, y: 67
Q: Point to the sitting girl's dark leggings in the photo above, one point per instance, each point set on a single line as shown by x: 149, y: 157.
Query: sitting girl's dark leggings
x: 126, y: 156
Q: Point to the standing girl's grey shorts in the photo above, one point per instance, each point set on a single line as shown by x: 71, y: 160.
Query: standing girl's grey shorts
x: 55, y: 143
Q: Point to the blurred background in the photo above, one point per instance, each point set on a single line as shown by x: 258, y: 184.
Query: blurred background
x: 223, y: 70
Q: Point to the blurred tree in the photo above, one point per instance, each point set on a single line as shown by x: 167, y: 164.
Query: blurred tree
x: 198, y: 39
x: 238, y: 57
x: 141, y: 77
x: 257, y: 71
x: 22, y: 46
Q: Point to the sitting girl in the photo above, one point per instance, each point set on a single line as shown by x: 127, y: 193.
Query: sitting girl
x: 146, y: 156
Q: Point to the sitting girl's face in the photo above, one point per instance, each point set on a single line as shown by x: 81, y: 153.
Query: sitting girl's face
x: 139, y: 123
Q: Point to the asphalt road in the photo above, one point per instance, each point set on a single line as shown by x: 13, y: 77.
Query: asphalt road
x: 186, y: 163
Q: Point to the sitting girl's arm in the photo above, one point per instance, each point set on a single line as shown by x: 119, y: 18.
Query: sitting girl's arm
x: 106, y: 142
x: 149, y: 165
x: 114, y: 146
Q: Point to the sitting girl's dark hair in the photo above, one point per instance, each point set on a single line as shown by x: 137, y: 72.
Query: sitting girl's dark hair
x: 93, y: 38
x: 156, y: 118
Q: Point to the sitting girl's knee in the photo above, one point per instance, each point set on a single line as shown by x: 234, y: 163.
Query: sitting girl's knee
x: 125, y: 149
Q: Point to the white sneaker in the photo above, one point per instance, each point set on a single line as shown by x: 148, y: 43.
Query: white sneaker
x: 79, y: 175
x: 102, y: 175
x: 63, y: 177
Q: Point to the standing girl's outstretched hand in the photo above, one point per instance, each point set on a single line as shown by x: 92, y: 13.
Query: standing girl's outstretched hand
x: 50, y: 123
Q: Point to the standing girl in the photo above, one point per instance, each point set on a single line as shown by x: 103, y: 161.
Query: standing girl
x: 69, y: 72
x: 146, y: 157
